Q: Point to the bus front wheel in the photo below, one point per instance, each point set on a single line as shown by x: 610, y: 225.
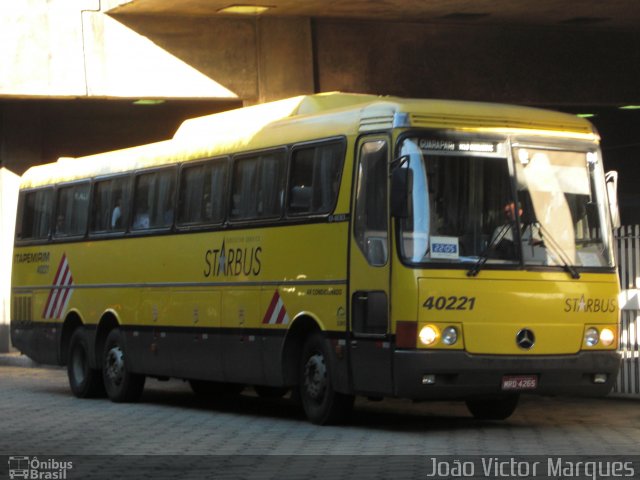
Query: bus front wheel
x: 121, y: 385
x: 494, y: 408
x: 321, y: 403
x: 85, y: 382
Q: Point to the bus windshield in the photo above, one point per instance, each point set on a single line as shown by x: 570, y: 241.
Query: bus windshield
x: 468, y: 205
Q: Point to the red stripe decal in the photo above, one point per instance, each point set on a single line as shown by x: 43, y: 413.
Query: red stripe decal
x: 272, y: 307
x: 65, y: 294
x: 281, y: 315
x: 47, y: 305
x: 60, y: 292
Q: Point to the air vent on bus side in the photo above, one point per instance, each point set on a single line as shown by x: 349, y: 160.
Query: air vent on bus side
x: 376, y: 118
x: 21, y: 308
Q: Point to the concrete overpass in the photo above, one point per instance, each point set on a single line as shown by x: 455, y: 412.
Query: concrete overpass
x: 72, y: 72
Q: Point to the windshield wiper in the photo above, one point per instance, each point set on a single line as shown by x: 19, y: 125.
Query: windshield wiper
x: 555, y: 248
x: 546, y: 240
x: 484, y: 256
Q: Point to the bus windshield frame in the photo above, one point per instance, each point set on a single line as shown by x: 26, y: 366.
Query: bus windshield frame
x: 504, y: 202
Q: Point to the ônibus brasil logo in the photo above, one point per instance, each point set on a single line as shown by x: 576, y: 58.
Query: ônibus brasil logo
x: 35, y: 469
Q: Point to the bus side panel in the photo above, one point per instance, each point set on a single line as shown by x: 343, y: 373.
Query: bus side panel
x: 196, y: 354
x: 189, y: 307
x: 196, y: 342
x: 241, y: 347
x: 190, y: 353
x: 272, y: 345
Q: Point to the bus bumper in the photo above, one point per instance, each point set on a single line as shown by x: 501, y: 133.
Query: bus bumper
x: 37, y: 341
x: 422, y: 375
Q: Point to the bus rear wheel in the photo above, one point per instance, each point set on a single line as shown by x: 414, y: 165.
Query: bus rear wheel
x: 120, y: 383
x: 321, y: 403
x: 494, y: 408
x: 85, y: 382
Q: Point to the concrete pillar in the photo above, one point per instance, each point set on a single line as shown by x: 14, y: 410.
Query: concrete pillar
x: 9, y: 183
x: 285, y: 58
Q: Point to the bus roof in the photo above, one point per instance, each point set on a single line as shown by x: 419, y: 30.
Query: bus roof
x: 261, y: 126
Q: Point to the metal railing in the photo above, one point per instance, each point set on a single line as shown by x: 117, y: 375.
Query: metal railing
x: 627, y: 250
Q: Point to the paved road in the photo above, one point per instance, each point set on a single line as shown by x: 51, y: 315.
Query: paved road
x: 39, y: 417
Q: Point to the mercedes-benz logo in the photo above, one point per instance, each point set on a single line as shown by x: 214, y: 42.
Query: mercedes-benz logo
x: 525, y: 339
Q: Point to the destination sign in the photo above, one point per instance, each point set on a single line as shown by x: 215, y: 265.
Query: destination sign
x: 446, y: 145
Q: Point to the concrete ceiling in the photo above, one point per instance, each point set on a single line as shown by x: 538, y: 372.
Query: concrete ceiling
x: 617, y: 14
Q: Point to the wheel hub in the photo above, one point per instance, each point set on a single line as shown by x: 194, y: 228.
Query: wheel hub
x: 315, y: 377
x: 115, y: 365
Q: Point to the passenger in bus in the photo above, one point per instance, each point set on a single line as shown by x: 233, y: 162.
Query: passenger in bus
x: 503, y: 238
x: 116, y: 215
x: 141, y: 220
x: 60, y: 224
x: 208, y: 208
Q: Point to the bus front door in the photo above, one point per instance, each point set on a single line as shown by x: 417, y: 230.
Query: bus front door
x: 369, y: 341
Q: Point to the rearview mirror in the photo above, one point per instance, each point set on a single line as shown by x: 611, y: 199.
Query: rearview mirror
x: 401, y: 192
x: 611, y: 179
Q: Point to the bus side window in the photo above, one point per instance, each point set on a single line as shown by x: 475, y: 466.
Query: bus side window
x: 154, y: 200
x: 370, y: 227
x: 100, y: 207
x: 217, y: 180
x: 35, y: 215
x: 72, y: 208
x: 243, y: 192
x: 192, y: 195
x: 314, y: 178
x: 270, y: 188
x: 257, y: 188
x: 110, y: 205
x: 202, y: 193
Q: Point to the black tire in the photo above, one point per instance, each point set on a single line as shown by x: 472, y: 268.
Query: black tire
x: 494, y: 408
x: 212, y: 390
x: 265, y: 391
x: 121, y: 385
x: 85, y: 382
x: 321, y: 403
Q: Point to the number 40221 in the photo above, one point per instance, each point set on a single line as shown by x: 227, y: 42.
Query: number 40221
x: 450, y: 303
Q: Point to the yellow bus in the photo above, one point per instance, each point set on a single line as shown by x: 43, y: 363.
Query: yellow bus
x: 334, y: 245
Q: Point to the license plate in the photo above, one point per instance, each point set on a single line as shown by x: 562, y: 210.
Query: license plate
x: 519, y: 382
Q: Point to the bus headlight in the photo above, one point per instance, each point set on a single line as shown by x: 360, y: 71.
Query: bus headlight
x: 607, y: 336
x: 429, y: 334
x: 591, y: 337
x: 449, y: 335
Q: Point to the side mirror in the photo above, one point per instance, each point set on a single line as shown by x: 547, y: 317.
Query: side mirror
x: 611, y: 179
x: 401, y: 182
